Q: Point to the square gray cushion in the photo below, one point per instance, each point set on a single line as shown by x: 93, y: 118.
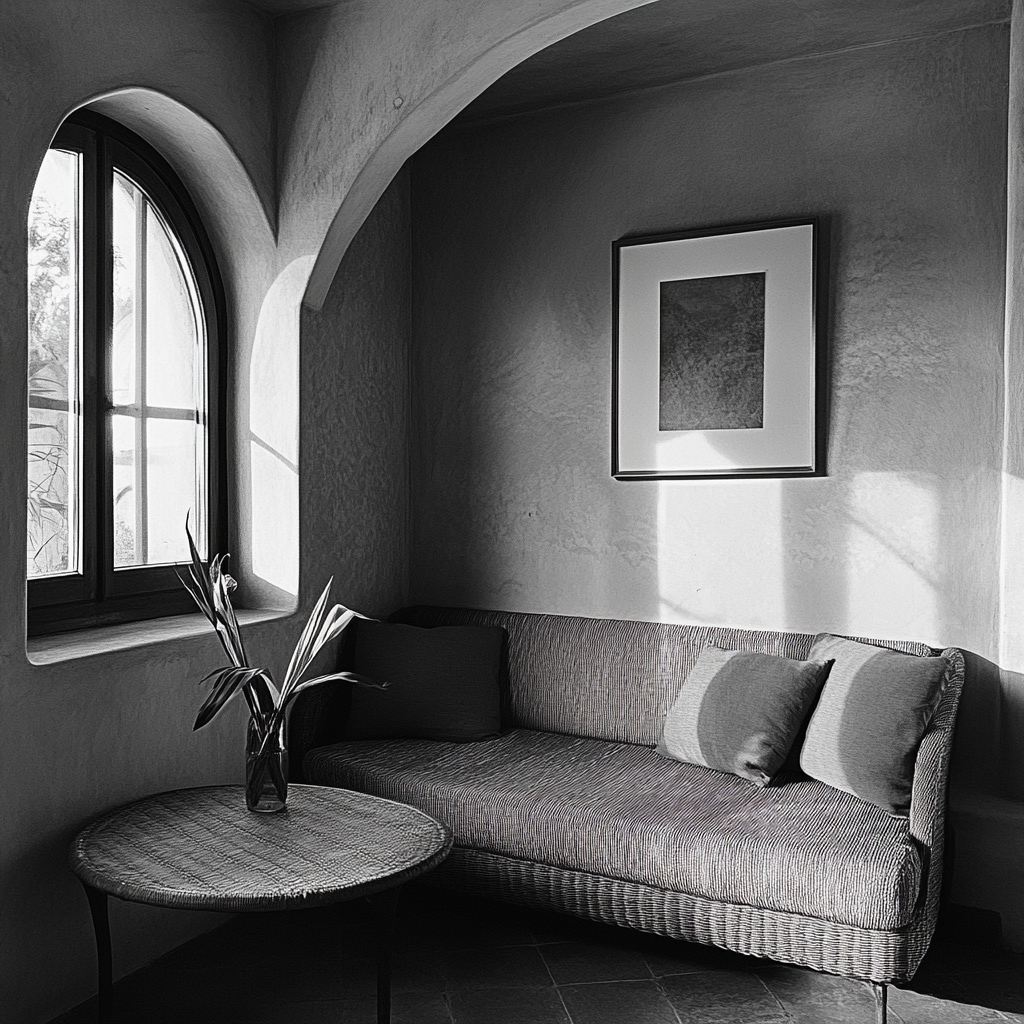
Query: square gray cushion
x: 740, y: 712
x: 443, y: 683
x: 873, y: 711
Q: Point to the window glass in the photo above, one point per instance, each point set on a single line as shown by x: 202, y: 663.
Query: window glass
x: 124, y: 368
x: 159, y: 411
x: 122, y: 363
x: 54, y: 315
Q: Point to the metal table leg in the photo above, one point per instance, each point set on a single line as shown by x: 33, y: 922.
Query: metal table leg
x: 104, y: 963
x: 385, y: 907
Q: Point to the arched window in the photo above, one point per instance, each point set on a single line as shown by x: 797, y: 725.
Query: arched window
x: 125, y: 347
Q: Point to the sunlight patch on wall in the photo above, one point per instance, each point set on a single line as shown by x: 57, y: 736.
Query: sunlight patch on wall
x: 892, y: 555
x: 719, y: 550
x: 1011, y: 584
x: 274, y: 431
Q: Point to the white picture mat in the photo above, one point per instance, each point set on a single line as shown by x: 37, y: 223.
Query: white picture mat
x: 786, y: 441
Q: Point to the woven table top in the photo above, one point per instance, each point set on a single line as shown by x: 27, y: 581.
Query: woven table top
x: 201, y: 849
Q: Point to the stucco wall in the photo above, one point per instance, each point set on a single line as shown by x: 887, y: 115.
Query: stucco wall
x: 355, y: 374
x: 87, y: 727
x: 903, y: 147
x: 83, y: 734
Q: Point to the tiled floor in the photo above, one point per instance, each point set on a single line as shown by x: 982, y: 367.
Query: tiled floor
x: 475, y: 962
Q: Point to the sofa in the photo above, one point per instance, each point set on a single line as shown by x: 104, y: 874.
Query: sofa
x: 571, y: 806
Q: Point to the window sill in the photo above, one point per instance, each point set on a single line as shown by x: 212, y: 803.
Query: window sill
x: 87, y: 643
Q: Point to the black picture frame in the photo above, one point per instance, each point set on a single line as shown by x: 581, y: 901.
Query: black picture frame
x: 688, y: 359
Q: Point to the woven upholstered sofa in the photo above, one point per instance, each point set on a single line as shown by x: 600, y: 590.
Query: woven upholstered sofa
x: 572, y: 808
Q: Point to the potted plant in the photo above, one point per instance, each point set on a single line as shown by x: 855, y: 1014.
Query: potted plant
x: 266, y: 753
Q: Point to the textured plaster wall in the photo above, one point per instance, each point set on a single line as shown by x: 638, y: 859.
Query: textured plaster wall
x: 903, y: 147
x: 90, y: 726
x: 79, y: 736
x: 355, y: 373
x: 364, y: 85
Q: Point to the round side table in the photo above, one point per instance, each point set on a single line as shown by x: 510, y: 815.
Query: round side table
x: 201, y: 849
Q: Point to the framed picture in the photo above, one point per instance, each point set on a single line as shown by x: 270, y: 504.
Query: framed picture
x: 718, y: 353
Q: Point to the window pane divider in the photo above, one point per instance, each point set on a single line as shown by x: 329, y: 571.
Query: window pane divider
x: 154, y: 412
x: 141, y: 462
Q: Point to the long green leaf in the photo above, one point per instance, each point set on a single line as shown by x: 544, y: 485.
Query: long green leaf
x: 224, y: 612
x: 190, y: 586
x: 226, y: 682
x: 198, y: 575
x: 341, y: 677
x: 335, y: 624
x: 225, y: 584
x: 299, y: 658
x: 203, y: 596
x: 266, y: 693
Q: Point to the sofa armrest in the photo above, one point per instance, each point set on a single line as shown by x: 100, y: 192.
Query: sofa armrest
x: 931, y: 771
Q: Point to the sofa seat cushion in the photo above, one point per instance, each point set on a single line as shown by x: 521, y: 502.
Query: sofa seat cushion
x: 623, y: 811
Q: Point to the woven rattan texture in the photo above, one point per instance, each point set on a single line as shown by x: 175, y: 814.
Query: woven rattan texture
x: 622, y: 810
x: 202, y: 849
x: 870, y: 954
x: 882, y: 956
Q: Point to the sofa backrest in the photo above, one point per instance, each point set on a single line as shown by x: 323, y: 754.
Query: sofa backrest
x: 606, y: 678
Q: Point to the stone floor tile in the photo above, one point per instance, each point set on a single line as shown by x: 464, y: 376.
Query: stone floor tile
x: 490, y: 962
x: 572, y: 963
x: 722, y: 997
x: 667, y: 956
x: 508, y: 1006
x: 418, y: 970
x: 812, y: 996
x: 618, y: 1002
x: 406, y: 1008
x: 969, y: 957
x: 500, y: 967
x: 459, y: 927
x: 1002, y: 990
x: 915, y: 1008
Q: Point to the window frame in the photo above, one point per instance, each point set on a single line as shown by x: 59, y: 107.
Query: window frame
x: 98, y: 594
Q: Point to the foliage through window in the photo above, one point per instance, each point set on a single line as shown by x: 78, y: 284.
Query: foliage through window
x: 123, y: 377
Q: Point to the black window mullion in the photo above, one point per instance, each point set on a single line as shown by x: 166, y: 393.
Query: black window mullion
x: 141, y: 461
x: 93, y: 249
x: 103, y: 391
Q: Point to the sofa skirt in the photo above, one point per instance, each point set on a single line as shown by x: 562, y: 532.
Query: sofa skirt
x: 863, y: 953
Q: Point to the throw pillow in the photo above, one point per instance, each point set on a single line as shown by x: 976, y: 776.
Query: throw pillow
x: 443, y: 683
x: 740, y: 712
x: 874, y: 710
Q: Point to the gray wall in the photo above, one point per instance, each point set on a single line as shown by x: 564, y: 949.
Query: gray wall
x: 355, y: 374
x: 88, y: 724
x: 903, y: 146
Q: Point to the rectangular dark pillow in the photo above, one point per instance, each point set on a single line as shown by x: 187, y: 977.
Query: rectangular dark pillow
x: 443, y: 683
x: 740, y: 711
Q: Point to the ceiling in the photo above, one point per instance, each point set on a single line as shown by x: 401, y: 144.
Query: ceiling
x: 671, y: 40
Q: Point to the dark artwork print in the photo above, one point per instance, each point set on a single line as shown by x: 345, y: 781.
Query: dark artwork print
x: 712, y: 353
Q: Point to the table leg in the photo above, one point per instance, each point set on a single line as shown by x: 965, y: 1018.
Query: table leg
x: 104, y: 963
x: 385, y: 907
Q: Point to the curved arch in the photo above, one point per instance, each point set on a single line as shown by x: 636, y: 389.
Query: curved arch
x: 429, y: 116
x: 242, y: 228
x: 235, y: 214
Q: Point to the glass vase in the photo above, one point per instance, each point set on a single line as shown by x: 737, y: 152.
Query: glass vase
x: 266, y: 770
